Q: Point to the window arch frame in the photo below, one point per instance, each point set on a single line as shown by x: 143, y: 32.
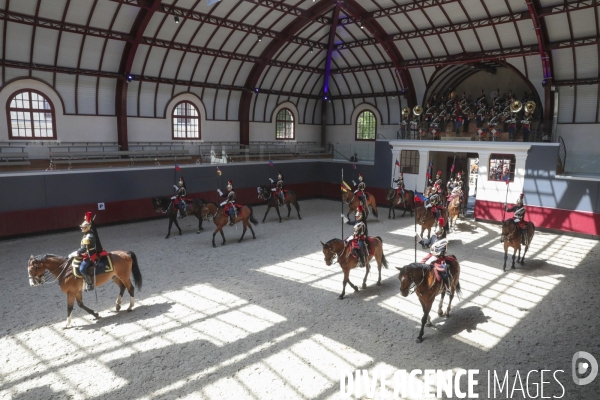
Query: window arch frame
x: 52, y: 111
x: 293, y: 122
x: 356, y: 126
x: 198, y: 117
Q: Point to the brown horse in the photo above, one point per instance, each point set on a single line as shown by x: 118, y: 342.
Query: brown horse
x: 427, y: 220
x: 421, y: 279
x: 511, y: 236
x: 267, y: 194
x: 353, y: 202
x: 407, y: 202
x: 165, y: 205
x: 211, y: 211
x: 454, y: 209
x: 124, y: 265
x: 338, y: 249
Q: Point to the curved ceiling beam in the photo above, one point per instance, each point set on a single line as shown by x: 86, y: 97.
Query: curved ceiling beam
x: 541, y: 33
x: 268, y: 53
x: 336, y: 16
x: 147, y: 10
x: 356, y: 10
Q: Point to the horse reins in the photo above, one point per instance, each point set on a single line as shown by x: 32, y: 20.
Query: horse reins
x: 63, y: 267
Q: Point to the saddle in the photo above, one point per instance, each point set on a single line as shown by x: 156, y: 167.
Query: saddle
x: 367, y: 241
x: 522, y: 224
x: 438, y: 269
x: 102, y: 265
x: 238, y: 209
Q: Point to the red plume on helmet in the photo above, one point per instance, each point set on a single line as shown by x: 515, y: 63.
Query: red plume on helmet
x: 521, y: 195
x: 88, y: 217
x: 359, y: 209
x: 441, y: 222
x: 360, y: 174
x: 439, y: 173
x: 230, y: 183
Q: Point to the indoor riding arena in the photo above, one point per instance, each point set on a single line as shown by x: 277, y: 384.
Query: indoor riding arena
x: 278, y: 199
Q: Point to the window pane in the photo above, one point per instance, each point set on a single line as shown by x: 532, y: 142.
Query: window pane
x: 21, y: 123
x: 187, y: 126
x: 365, y: 126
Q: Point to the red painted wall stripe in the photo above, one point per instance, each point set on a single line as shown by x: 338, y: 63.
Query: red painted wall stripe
x: 544, y: 217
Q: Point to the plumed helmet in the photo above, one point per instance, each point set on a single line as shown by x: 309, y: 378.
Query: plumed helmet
x: 181, y: 182
x: 458, y: 175
x: 438, y: 175
x: 230, y: 183
x: 359, y: 212
x: 360, y: 176
x: 87, y: 220
x: 520, y: 199
x: 441, y: 224
x: 279, y: 175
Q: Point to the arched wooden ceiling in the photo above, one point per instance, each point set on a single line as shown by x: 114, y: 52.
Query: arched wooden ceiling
x: 379, y: 47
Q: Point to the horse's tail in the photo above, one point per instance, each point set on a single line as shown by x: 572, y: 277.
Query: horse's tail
x: 458, y: 291
x: 374, y: 207
x: 383, y: 259
x: 135, y: 270
x: 252, y: 219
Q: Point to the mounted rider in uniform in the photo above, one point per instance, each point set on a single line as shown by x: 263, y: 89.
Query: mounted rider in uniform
x: 519, y: 218
x: 399, y: 188
x: 229, y: 204
x: 358, y: 238
x: 278, y: 189
x: 87, y: 251
x: 438, y: 247
x: 360, y: 189
x: 179, y: 198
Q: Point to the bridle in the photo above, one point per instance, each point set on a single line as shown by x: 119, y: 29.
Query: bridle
x: 209, y: 216
x: 336, y: 256
x: 512, y: 234
x: 39, y: 280
x: 413, y: 286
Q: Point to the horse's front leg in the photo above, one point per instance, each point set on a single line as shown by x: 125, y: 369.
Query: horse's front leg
x: 170, y: 225
x: 392, y: 206
x: 268, y: 209
x: 513, y: 257
x: 278, y: 214
x: 344, y: 282
x: 177, y: 225
x: 214, y: 234
x: 423, y: 322
x: 243, y: 232
x: 79, y: 298
x: 70, y: 303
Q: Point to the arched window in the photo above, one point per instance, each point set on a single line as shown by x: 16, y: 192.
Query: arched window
x: 31, y: 116
x: 366, y: 126
x: 186, y: 121
x: 285, y: 124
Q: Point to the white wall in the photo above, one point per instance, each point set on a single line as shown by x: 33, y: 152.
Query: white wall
x: 69, y: 128
x: 580, y: 138
x: 265, y: 131
x: 345, y: 134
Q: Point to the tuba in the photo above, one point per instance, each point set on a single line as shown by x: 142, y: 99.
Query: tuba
x: 417, y: 110
x: 530, y: 107
x: 405, y: 112
x: 516, y: 106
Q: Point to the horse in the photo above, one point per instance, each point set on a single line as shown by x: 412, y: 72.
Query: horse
x: 408, y: 202
x: 124, y: 265
x: 421, y: 278
x: 338, y: 249
x: 211, y: 211
x: 165, y: 205
x: 352, y: 200
x: 427, y: 220
x: 266, y: 194
x: 454, y: 209
x: 511, y: 237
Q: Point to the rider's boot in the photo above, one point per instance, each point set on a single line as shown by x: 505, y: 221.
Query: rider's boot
x: 231, y: 219
x: 524, y: 237
x: 88, y: 281
x: 447, y: 285
x: 281, y: 199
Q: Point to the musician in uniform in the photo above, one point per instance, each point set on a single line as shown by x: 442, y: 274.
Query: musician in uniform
x: 358, y: 239
x: 179, y: 197
x: 526, y: 126
x: 519, y: 218
x: 278, y: 189
x: 438, y: 247
x: 87, y: 251
x: 458, y: 118
x: 360, y: 189
x: 229, y: 204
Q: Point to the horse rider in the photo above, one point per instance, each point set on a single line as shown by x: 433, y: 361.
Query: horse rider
x: 434, y: 202
x: 399, y: 188
x: 87, y: 251
x: 278, y: 189
x: 360, y: 189
x: 438, y: 246
x: 358, y: 238
x: 229, y: 204
x: 519, y: 218
x: 179, y: 198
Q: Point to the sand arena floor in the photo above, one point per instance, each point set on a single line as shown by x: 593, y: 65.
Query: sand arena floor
x: 261, y: 319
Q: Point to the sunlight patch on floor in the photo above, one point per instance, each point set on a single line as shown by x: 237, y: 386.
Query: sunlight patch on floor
x: 493, y: 302
x: 195, y: 313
